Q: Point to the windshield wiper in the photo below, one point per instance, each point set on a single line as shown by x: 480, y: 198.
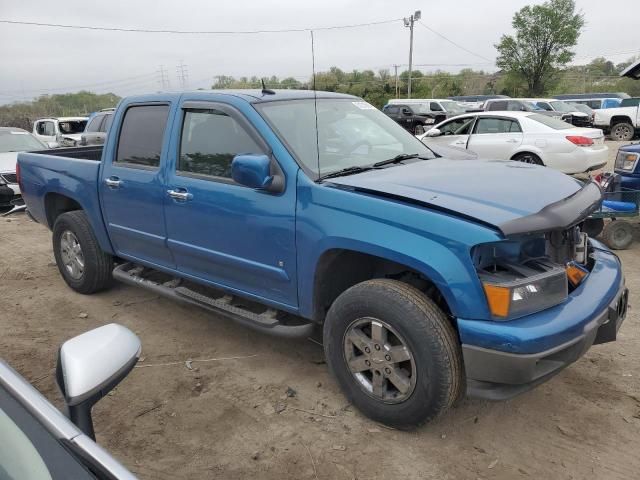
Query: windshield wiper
x: 397, y: 159
x: 345, y: 171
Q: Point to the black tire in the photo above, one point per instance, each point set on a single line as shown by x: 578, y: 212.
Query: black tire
x: 425, y: 331
x: 97, y: 270
x: 592, y: 227
x: 617, y: 235
x: 622, y: 132
x: 527, y: 157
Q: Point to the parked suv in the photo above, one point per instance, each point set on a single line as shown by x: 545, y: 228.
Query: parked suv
x: 97, y: 128
x: 518, y: 105
x: 61, y: 131
x: 415, y: 114
x: 570, y: 113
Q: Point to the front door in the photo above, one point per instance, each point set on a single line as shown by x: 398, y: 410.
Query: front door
x: 132, y: 188
x: 219, y: 231
x: 454, y: 133
x: 45, y: 131
x: 495, y: 138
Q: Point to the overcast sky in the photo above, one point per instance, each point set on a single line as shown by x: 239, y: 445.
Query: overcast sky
x: 39, y: 60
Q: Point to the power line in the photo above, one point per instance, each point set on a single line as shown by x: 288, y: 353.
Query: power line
x: 452, y: 42
x: 194, y: 32
x: 164, y: 78
x: 182, y: 73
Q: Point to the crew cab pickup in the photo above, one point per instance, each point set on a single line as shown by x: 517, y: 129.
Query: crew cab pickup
x: 288, y: 210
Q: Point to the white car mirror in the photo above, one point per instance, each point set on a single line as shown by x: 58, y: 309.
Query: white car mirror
x: 91, y: 365
x: 434, y: 132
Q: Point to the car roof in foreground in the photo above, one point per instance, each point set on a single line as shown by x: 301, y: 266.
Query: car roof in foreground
x: 12, y: 129
x: 249, y: 95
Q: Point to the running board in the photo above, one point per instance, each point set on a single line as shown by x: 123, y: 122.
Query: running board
x: 269, y: 321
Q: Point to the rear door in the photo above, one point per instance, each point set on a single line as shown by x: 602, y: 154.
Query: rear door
x: 495, y: 137
x: 132, y: 188
x: 219, y: 231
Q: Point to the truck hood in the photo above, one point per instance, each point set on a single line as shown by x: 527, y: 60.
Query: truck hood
x: 512, y: 197
x: 8, y: 162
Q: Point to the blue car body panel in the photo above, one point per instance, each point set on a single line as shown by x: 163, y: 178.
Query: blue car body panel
x: 557, y: 325
x: 630, y: 180
x: 427, y: 215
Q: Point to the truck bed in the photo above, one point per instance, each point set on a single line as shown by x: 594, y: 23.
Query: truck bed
x: 50, y: 179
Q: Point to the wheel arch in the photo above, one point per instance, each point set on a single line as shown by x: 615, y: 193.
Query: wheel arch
x: 338, y: 269
x: 528, y: 150
x: 55, y: 204
x: 620, y: 119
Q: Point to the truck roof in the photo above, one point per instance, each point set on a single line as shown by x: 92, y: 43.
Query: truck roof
x: 252, y: 95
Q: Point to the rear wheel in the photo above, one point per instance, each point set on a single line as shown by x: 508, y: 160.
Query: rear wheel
x: 618, y: 234
x: 394, y: 353
x: 527, y: 157
x: 81, y: 261
x: 622, y: 132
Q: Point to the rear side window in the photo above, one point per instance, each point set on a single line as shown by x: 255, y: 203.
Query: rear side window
x: 140, y: 141
x: 94, y: 124
x: 210, y: 140
x: 435, y: 107
x: 497, y: 125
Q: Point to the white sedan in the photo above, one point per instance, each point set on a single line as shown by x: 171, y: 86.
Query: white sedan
x: 524, y: 136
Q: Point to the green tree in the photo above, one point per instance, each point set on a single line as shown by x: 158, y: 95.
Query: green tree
x: 544, y: 36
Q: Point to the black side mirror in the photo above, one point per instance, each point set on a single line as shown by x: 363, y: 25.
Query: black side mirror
x: 90, y: 366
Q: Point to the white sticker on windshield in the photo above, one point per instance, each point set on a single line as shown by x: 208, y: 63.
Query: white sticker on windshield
x: 364, y: 105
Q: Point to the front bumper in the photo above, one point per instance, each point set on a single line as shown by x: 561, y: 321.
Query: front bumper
x: 504, y: 359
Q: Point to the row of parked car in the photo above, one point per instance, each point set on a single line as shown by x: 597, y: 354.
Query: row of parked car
x: 615, y: 113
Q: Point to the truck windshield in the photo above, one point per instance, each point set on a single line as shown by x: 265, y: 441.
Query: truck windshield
x: 351, y: 133
x: 559, y: 106
x: 16, y: 141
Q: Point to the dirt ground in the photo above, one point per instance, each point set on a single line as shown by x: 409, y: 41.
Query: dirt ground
x: 232, y: 418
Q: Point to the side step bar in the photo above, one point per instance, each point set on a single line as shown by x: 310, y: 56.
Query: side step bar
x: 270, y: 321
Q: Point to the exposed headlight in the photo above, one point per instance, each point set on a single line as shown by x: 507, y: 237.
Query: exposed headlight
x: 626, y: 161
x: 518, y: 279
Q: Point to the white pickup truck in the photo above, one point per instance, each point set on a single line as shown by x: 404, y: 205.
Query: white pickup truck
x: 621, y: 122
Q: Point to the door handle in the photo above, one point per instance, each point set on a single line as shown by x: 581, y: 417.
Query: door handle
x: 460, y: 142
x: 512, y: 140
x: 181, y: 196
x: 113, y: 182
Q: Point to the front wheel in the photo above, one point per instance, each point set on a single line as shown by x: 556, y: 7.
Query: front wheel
x: 618, y: 235
x: 394, y: 353
x: 81, y: 261
x: 622, y: 132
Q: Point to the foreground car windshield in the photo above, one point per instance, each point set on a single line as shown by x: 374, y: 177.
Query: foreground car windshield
x: 18, y: 142
x: 453, y: 107
x: 351, y: 133
x: 76, y: 126
x: 561, y: 107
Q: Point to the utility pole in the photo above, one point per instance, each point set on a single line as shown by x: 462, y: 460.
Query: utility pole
x: 396, y: 69
x: 408, y: 22
x: 183, y: 74
x: 164, y: 78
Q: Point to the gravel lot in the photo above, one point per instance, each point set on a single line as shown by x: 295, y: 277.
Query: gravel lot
x: 233, y: 419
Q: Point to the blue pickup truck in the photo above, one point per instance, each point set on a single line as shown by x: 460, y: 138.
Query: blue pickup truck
x: 290, y: 211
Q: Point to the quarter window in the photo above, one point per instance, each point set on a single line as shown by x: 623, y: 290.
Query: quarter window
x: 140, y: 141
x: 210, y: 140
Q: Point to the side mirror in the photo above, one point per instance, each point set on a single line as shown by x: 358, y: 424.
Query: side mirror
x: 52, y: 144
x: 406, y: 111
x: 91, y: 365
x: 254, y: 171
x: 434, y: 132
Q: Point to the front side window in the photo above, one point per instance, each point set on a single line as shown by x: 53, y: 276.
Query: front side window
x: 435, y: 107
x: 349, y: 134
x: 496, y: 125
x: 210, y: 140
x: 459, y: 126
x: 94, y: 124
x: 141, y: 135
x: 46, y: 128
